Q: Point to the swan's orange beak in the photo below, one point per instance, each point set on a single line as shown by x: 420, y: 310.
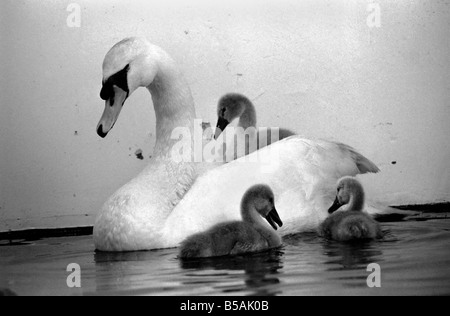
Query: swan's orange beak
x: 221, y: 125
x: 274, y: 219
x: 113, y: 106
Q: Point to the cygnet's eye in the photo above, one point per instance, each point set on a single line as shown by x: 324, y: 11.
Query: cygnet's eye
x: 222, y: 112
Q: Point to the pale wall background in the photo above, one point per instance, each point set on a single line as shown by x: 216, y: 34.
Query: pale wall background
x: 312, y: 66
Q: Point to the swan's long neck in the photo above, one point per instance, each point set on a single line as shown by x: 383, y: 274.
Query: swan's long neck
x: 356, y: 202
x: 173, y: 104
x: 252, y: 216
x: 248, y: 116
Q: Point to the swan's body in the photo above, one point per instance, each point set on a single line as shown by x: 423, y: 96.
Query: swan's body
x: 352, y: 223
x: 239, y: 237
x: 301, y: 172
x: 171, y: 200
x: 246, y: 138
x: 133, y: 216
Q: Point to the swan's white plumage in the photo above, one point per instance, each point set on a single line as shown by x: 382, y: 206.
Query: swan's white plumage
x: 303, y: 178
x: 168, y: 201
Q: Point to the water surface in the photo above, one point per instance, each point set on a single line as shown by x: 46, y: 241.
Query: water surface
x: 414, y: 258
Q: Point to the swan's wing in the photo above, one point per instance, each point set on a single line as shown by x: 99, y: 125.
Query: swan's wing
x: 364, y: 165
x: 302, y: 173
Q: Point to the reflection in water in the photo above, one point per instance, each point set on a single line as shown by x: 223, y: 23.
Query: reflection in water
x: 151, y: 272
x: 351, y: 255
x: 322, y: 266
x: 339, y: 255
x: 260, y: 270
x: 130, y: 273
x: 102, y: 258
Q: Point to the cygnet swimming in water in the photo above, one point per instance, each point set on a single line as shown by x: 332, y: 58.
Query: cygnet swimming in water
x: 235, y: 105
x: 350, y: 223
x: 239, y: 237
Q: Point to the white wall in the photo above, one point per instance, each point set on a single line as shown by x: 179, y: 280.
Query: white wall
x: 313, y: 66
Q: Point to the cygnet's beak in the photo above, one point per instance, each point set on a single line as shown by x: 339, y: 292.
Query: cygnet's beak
x: 336, y: 205
x: 113, y: 106
x: 221, y: 125
x: 273, y: 218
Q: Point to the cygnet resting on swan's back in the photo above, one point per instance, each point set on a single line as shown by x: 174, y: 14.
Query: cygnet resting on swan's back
x: 247, y: 138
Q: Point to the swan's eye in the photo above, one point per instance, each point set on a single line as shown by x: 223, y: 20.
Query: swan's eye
x: 222, y: 112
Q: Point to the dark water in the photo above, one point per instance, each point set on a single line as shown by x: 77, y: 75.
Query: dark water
x: 414, y: 259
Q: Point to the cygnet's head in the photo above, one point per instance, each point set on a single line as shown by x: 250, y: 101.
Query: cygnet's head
x: 349, y: 191
x: 261, y: 197
x: 230, y: 107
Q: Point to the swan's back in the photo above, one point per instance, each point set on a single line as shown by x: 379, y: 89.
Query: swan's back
x: 268, y: 136
x: 253, y: 139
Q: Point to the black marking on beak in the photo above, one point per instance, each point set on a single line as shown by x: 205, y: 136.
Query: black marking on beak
x: 111, y: 101
x: 100, y: 131
x: 274, y: 219
x: 107, y: 91
x: 119, y: 79
x: 336, y: 205
x: 221, y: 125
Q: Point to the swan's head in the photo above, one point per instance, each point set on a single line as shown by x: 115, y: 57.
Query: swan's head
x: 349, y: 191
x: 261, y: 198
x: 230, y: 107
x: 128, y: 65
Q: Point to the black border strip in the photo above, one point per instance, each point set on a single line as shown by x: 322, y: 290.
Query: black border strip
x: 443, y: 207
x: 36, y: 234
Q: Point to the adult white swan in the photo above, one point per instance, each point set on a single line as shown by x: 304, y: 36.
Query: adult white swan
x: 133, y: 217
x: 168, y: 200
